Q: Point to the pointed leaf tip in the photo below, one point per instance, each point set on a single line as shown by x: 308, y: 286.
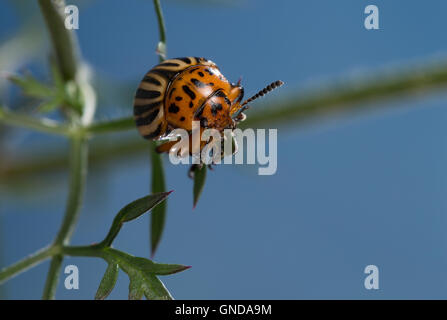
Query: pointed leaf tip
x: 31, y: 86
x: 149, y: 266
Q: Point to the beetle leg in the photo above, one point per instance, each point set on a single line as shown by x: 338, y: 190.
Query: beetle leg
x: 193, y: 168
x: 241, y: 95
x: 165, y: 147
x: 241, y: 117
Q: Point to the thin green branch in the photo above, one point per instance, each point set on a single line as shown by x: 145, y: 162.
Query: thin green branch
x: 161, y: 21
x: 24, y: 166
x: 110, y: 126
x: 26, y: 263
x: 64, y: 41
x: 59, y: 248
x: 38, y: 124
x: 78, y: 173
x: 352, y: 95
x: 67, y: 55
x: 158, y: 183
x: 340, y: 96
x: 49, y: 291
x: 84, y: 251
x: 161, y: 48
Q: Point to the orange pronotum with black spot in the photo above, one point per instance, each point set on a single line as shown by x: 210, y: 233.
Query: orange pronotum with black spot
x: 179, y: 91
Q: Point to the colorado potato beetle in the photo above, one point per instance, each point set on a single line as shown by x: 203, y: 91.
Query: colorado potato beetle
x: 178, y: 91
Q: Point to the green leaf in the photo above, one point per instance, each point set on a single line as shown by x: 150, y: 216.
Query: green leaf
x: 142, y: 274
x: 49, y: 105
x: 140, y: 206
x: 149, y: 285
x: 159, y: 269
x: 26, y: 121
x: 132, y: 211
x: 108, y: 281
x: 56, y: 75
x: 156, y: 290
x: 31, y: 86
x: 158, y: 216
x: 136, y: 287
x: 199, y: 183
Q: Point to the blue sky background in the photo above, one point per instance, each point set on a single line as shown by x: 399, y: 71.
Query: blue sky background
x: 352, y: 190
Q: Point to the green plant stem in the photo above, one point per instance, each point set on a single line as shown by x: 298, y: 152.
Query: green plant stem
x: 161, y: 27
x: 21, y: 168
x: 49, y: 291
x: 24, y: 121
x: 58, y: 249
x: 64, y: 42
x: 84, y: 251
x: 26, y: 263
x: 339, y: 96
x: 356, y: 94
x: 78, y: 173
x: 161, y: 21
x: 158, y: 183
x: 110, y: 126
x: 67, y: 55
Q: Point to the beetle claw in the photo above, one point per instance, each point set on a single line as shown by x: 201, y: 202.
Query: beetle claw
x: 194, y: 167
x: 191, y: 170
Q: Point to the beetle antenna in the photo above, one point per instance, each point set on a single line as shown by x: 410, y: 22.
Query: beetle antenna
x: 264, y: 91
x: 261, y: 93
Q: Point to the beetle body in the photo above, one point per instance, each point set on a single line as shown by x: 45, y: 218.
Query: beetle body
x: 179, y: 91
